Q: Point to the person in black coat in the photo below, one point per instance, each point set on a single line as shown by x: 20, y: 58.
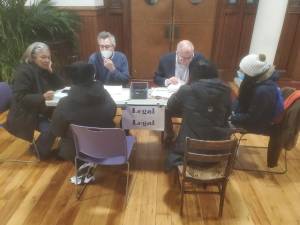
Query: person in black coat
x: 205, y: 104
x: 174, y: 67
x: 87, y: 104
x: 34, y: 83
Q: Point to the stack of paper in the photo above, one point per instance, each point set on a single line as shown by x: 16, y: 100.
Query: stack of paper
x: 161, y: 92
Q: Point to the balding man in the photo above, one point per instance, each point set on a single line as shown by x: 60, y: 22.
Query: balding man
x: 173, y: 67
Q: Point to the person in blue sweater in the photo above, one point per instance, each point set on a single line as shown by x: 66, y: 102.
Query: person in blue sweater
x: 111, y: 66
x: 259, y: 102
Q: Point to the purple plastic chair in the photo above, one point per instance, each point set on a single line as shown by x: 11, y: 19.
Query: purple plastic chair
x: 102, y: 146
x: 5, y: 96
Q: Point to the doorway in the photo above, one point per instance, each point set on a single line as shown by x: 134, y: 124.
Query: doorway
x: 157, y: 26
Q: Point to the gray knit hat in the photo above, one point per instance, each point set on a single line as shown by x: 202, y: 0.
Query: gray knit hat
x: 253, y: 64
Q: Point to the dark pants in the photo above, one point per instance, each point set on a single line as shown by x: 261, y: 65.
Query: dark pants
x: 46, y: 139
x: 169, y: 132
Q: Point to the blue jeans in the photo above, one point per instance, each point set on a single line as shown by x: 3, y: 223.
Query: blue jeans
x: 46, y: 139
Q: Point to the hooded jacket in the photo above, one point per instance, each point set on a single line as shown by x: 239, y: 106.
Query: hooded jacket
x: 205, y: 105
x: 86, y: 105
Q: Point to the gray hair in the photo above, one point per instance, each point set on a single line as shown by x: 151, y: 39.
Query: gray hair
x: 105, y: 35
x: 185, y: 44
x: 32, y: 50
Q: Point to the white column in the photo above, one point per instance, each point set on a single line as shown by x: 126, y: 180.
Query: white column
x: 267, y: 28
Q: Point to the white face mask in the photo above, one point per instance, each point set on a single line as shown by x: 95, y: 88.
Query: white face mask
x: 106, y: 54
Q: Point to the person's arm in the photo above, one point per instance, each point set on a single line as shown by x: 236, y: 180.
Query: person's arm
x: 23, y: 86
x: 228, y: 106
x: 120, y: 74
x: 111, y: 106
x: 160, y: 74
x: 94, y: 59
x: 258, y: 106
x: 59, y: 125
x: 175, y: 102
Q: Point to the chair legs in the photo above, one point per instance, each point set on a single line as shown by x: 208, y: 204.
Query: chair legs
x: 283, y: 171
x: 36, y: 150
x: 182, y: 197
x: 25, y: 161
x: 80, y: 190
x: 127, y: 183
x: 222, y: 190
x: 222, y: 197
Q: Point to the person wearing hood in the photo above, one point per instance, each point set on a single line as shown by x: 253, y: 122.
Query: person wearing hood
x: 205, y: 103
x: 111, y: 66
x: 87, y: 104
x: 259, y: 103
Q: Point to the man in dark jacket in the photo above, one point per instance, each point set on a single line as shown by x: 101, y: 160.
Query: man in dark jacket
x: 205, y: 104
x: 87, y: 104
x: 174, y: 67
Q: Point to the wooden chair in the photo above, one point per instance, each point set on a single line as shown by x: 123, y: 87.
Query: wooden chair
x: 206, y: 163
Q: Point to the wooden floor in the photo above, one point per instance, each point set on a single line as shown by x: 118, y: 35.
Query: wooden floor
x: 40, y: 193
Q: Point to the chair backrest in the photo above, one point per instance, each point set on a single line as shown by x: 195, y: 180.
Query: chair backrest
x: 99, y: 142
x: 210, y: 153
x: 5, y: 96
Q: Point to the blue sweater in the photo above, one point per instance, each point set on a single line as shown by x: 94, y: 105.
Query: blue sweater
x: 117, y: 77
x: 265, y: 104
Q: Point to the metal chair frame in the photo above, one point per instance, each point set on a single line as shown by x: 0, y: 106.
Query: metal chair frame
x: 283, y: 171
x: 79, y: 190
x: 23, y: 161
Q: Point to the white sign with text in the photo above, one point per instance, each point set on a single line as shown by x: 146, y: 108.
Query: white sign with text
x: 144, y: 117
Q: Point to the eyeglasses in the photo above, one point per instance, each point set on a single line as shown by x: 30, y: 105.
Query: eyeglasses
x: 182, y: 58
x: 105, y: 46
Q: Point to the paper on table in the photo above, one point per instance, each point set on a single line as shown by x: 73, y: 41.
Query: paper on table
x: 61, y: 93
x: 122, y: 96
x: 174, y: 87
x: 113, y: 89
x: 161, y: 92
x: 118, y: 93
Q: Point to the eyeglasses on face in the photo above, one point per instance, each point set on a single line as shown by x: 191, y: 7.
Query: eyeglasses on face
x: 105, y: 46
x: 188, y: 58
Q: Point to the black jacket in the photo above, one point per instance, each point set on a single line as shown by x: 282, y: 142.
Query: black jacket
x: 86, y: 105
x: 30, y: 82
x: 285, y: 134
x: 166, y: 67
x: 205, y: 106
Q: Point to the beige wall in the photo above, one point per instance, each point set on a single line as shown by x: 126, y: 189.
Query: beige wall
x: 267, y: 28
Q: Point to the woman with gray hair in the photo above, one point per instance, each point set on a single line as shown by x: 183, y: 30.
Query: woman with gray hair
x: 34, y: 82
